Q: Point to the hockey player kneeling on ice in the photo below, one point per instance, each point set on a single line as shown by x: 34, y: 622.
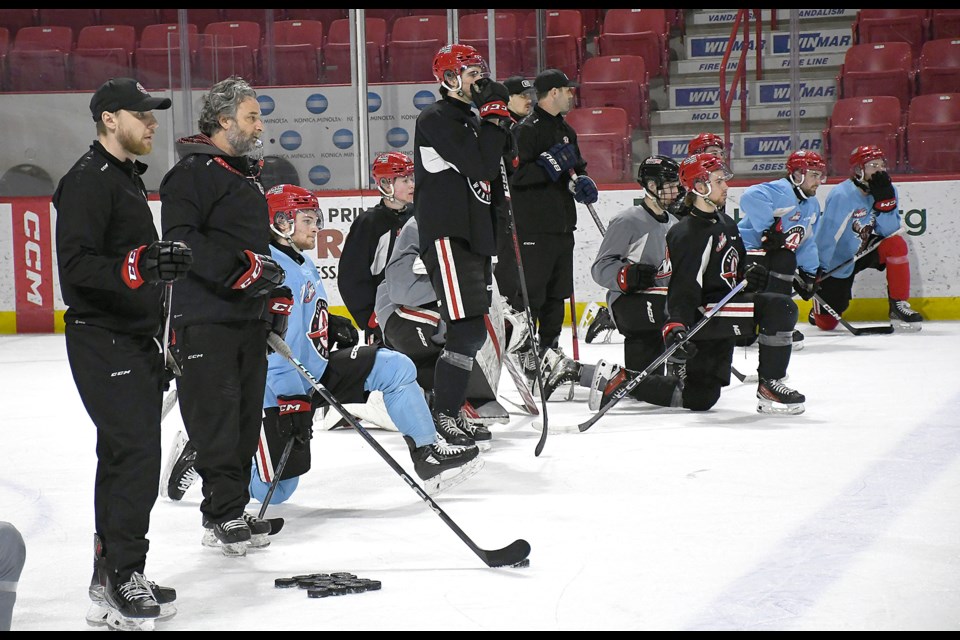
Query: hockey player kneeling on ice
x: 349, y: 373
x: 706, y: 255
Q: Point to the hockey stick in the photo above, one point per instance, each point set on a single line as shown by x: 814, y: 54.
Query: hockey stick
x: 276, y: 475
x: 743, y: 377
x: 573, y: 327
x: 620, y: 393
x: 593, y: 212
x: 531, y: 327
x: 513, y: 553
x: 857, y: 331
x: 866, y: 251
x: 168, y: 401
x: 168, y: 360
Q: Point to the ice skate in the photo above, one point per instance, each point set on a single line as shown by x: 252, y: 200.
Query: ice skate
x: 259, y: 530
x: 179, y: 473
x: 453, y: 429
x: 442, y: 465
x: 471, y: 424
x: 775, y: 397
x: 903, y: 317
x: 601, y: 328
x: 231, y: 537
x: 562, y: 370
x: 99, y: 609
x: 607, y: 378
x: 129, y: 606
x: 797, y: 340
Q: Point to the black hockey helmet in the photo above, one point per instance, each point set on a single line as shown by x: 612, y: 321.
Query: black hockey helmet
x: 660, y: 169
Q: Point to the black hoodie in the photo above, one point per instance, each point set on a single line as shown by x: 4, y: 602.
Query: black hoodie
x: 214, y: 203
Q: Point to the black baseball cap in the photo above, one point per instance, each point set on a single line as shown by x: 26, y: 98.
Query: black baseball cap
x: 552, y: 79
x: 518, y: 84
x: 124, y: 93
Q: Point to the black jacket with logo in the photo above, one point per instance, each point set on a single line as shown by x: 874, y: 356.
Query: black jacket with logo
x: 102, y: 214
x: 540, y: 205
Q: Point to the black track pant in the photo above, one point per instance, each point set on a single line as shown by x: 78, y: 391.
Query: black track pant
x: 120, y: 381
x: 221, y: 401
x: 548, y: 271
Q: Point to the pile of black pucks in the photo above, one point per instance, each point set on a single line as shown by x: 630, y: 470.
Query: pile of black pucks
x: 321, y: 585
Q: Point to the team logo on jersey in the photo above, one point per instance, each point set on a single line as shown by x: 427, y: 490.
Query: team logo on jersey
x: 481, y: 189
x: 730, y: 266
x: 309, y: 292
x: 864, y: 231
x: 721, y: 242
x: 860, y: 213
x: 793, y: 237
x: 795, y: 216
x: 318, y: 333
x: 666, y: 266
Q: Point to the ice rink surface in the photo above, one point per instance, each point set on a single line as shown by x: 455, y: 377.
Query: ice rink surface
x: 843, y: 518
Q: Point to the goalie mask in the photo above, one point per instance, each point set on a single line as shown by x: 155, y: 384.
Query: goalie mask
x: 284, y: 201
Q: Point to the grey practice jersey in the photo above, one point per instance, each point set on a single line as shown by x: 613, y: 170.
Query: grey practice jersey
x: 635, y: 236
x: 401, y: 286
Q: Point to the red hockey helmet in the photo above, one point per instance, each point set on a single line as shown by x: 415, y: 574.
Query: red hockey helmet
x: 697, y: 168
x: 702, y: 142
x: 391, y: 164
x: 862, y: 155
x: 804, y: 160
x: 455, y: 58
x: 284, y: 201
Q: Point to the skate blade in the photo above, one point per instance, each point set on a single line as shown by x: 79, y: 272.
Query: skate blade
x: 259, y: 541
x: 179, y: 442
x: 452, y: 477
x: 770, y: 407
x: 483, y: 445
x: 117, y: 622
x: 797, y: 346
x: 98, y: 613
x: 231, y: 550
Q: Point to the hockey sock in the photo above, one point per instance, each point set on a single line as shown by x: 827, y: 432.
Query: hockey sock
x: 450, y: 382
x: 394, y: 374
x: 893, y: 253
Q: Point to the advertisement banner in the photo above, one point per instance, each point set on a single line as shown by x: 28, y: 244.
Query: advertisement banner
x: 33, y: 264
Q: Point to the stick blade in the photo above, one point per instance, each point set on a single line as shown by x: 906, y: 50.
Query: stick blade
x: 879, y: 330
x: 515, y: 552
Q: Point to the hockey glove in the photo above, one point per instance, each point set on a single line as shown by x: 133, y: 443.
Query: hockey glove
x: 163, y: 260
x: 636, y: 277
x: 756, y: 276
x: 807, y: 284
x: 675, y: 333
x: 491, y: 98
x: 257, y: 275
x: 584, y: 190
x: 281, y: 304
x: 558, y: 160
x: 884, y: 197
x: 772, y: 239
x: 341, y: 332
x: 296, y: 418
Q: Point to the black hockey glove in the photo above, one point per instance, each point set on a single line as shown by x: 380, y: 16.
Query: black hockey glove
x: 673, y: 333
x: 756, y: 276
x: 491, y: 98
x: 340, y: 332
x: 636, y: 277
x: 584, y: 190
x: 772, y: 239
x: 884, y: 197
x: 558, y: 160
x: 296, y: 418
x: 257, y: 275
x: 163, y: 260
x: 281, y: 304
x: 807, y: 284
